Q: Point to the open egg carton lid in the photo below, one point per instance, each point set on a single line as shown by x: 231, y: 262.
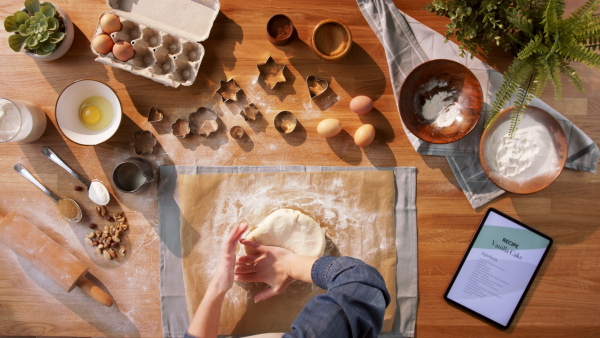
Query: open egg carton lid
x: 166, y: 36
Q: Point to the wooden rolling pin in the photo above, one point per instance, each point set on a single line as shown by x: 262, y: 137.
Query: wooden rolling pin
x: 58, y: 264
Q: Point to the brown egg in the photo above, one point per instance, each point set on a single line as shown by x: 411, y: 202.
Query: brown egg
x: 102, y: 44
x: 110, y: 23
x: 123, y: 50
x: 361, y: 104
x: 329, y: 127
x: 364, y: 135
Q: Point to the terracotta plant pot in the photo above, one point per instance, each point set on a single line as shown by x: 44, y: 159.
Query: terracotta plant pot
x: 65, y: 44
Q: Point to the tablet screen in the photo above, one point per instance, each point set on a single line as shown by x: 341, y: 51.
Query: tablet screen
x: 498, y: 268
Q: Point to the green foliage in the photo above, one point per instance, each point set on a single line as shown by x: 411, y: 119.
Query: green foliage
x: 38, y: 28
x: 546, y: 42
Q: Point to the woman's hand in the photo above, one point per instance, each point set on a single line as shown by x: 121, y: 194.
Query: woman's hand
x: 275, y: 266
x: 223, y: 278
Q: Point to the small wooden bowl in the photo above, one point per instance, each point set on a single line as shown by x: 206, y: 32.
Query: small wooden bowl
x: 280, y: 30
x: 331, y: 40
x: 506, y: 161
x: 431, y: 81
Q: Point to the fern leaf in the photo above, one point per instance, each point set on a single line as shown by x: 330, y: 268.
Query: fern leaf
x: 571, y: 74
x: 549, y: 66
x: 585, y: 11
x: 524, y: 97
x: 517, y: 74
x: 551, y: 17
x: 532, y: 47
x: 578, y: 53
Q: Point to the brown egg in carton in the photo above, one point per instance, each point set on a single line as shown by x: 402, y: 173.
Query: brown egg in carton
x: 164, y: 38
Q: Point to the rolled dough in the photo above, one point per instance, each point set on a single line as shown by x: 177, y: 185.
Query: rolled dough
x: 292, y: 230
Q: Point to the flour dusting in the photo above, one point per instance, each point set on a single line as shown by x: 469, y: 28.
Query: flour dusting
x: 525, y: 153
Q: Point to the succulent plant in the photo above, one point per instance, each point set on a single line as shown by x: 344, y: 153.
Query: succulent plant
x: 37, y: 27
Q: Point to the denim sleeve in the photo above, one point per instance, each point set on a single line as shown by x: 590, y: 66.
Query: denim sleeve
x: 353, y: 305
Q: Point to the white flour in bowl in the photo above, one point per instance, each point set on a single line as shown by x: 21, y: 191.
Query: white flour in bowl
x: 441, y: 108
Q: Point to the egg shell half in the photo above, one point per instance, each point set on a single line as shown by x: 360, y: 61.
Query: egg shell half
x: 102, y: 44
x: 364, y: 135
x: 361, y: 104
x: 123, y: 50
x: 329, y: 127
x: 110, y: 23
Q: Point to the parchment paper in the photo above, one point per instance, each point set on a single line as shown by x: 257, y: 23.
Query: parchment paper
x: 356, y: 208
x: 174, y: 312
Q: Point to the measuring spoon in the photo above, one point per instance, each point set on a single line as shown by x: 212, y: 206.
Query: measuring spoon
x: 25, y: 173
x: 101, y: 187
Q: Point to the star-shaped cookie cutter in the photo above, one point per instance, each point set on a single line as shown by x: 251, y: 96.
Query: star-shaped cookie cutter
x: 271, y: 72
x: 250, y: 112
x: 228, y: 90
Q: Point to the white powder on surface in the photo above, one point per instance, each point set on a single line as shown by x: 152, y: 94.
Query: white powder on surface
x: 528, y: 154
x: 98, y: 193
x: 441, y: 109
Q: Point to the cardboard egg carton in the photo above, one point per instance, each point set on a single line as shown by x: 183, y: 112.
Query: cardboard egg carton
x: 165, y: 35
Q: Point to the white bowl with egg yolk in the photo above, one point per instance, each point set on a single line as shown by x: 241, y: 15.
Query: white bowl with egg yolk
x: 68, y: 107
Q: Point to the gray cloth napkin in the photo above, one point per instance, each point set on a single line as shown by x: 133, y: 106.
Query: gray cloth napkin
x: 407, y: 44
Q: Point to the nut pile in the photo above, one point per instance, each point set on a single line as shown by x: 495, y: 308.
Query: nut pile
x: 108, y: 239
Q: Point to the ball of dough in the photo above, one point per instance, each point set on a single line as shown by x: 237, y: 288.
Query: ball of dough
x: 292, y: 230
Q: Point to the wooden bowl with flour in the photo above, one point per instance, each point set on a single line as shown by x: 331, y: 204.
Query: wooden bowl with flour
x: 440, y: 101
x: 531, y: 159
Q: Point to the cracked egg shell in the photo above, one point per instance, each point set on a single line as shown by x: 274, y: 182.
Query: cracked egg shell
x: 123, y: 50
x: 102, y: 44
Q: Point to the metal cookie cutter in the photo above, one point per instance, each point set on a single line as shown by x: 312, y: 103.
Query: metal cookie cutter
x: 143, y: 142
x: 203, y: 122
x: 316, y: 86
x: 271, y: 72
x: 228, y: 90
x: 154, y: 115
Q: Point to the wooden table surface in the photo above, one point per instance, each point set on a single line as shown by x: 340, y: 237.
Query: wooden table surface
x: 564, y: 299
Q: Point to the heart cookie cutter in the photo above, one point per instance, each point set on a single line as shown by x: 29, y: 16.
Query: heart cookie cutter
x: 154, y: 115
x: 316, y: 86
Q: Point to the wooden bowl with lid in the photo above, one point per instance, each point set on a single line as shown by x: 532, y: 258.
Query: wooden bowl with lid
x: 331, y: 40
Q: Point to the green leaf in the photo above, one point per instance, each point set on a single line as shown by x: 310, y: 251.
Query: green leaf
x: 23, y: 30
x: 42, y: 52
x: 56, y: 37
x: 9, y: 24
x: 16, y: 42
x: 32, y: 6
x: 21, y: 18
x: 31, y: 42
x: 44, y: 36
x: 47, y: 11
x: 47, y: 46
x: 52, y: 24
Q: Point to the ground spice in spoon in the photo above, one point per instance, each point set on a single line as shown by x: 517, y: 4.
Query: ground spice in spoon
x: 68, y: 208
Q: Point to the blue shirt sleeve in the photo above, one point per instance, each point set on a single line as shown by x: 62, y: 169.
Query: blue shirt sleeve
x: 353, y: 306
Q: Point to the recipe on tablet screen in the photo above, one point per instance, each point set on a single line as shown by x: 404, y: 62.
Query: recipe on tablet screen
x: 498, y: 268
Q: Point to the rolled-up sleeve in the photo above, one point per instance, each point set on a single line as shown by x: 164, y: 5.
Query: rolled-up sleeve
x: 353, y: 306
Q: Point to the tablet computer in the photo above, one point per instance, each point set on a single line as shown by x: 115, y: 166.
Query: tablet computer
x: 498, y: 268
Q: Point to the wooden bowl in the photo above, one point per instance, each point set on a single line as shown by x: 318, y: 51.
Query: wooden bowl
x: 440, y: 101
x: 331, y: 40
x: 280, y: 30
x: 532, y: 159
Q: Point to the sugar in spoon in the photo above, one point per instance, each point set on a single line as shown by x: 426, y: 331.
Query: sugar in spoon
x: 97, y: 192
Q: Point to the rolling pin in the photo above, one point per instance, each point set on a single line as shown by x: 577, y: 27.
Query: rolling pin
x: 58, y: 264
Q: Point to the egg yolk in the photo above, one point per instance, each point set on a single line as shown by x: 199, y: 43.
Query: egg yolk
x: 90, y: 114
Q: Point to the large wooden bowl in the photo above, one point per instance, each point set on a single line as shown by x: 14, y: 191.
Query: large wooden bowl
x: 532, y: 159
x: 432, y: 79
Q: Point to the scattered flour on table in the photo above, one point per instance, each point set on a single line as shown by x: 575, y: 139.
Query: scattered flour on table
x: 527, y: 154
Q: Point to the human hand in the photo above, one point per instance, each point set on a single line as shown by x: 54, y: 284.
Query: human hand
x: 223, y: 278
x: 275, y: 266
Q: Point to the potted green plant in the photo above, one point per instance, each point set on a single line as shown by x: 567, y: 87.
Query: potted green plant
x: 42, y: 31
x: 543, y: 41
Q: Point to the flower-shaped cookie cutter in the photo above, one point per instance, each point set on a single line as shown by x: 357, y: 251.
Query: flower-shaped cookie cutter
x: 203, y: 122
x: 228, y: 90
x: 316, y: 86
x: 181, y: 128
x: 271, y: 72
x: 154, y: 115
x: 143, y: 142
x: 250, y: 112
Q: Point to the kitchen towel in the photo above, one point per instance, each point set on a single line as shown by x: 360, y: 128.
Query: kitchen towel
x: 407, y: 44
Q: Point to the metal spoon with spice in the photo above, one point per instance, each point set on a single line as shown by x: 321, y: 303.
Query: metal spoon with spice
x: 97, y: 191
x: 68, y: 208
